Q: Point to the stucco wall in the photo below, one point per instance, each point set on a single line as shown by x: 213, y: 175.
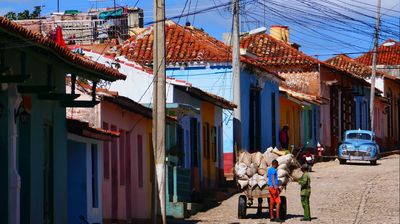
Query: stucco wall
x: 218, y: 80
x: 140, y: 202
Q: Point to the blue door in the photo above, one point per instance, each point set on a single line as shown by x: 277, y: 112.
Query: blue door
x: 77, y: 203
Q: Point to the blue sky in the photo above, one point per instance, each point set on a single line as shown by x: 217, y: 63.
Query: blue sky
x: 321, y: 38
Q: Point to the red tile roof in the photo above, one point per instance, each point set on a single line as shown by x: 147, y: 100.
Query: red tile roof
x: 65, y: 54
x: 183, y: 44
x: 83, y: 128
x: 273, y: 52
x: 388, y: 54
x: 352, y: 66
x: 277, y: 55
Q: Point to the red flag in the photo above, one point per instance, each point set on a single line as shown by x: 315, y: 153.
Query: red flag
x: 59, y: 37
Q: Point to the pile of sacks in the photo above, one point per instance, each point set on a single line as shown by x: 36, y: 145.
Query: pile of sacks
x: 251, y: 169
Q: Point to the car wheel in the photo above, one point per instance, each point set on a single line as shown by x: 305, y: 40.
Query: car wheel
x: 342, y: 161
x: 373, y: 162
x: 242, y: 207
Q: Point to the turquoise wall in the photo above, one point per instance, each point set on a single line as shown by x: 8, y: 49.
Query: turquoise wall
x: 218, y: 80
x: 310, y: 123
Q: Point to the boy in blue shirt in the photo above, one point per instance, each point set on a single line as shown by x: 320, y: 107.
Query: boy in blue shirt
x: 274, y: 191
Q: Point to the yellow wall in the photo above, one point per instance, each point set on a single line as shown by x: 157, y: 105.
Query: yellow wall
x: 209, y: 165
x: 289, y: 113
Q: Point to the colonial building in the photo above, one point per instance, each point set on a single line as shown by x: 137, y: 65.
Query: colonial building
x: 386, y: 125
x: 33, y: 137
x: 335, y: 88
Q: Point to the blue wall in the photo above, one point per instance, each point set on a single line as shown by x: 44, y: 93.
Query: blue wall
x: 248, y: 80
x: 218, y: 80
x: 77, y: 198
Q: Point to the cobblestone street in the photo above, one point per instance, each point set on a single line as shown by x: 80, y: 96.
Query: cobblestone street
x: 351, y: 193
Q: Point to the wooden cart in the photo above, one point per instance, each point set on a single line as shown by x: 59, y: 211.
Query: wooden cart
x: 248, y: 196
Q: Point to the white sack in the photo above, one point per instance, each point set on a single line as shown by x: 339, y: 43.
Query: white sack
x: 283, y: 167
x: 251, y: 170
x: 256, y: 158
x: 240, y: 169
x: 262, y: 181
x: 269, y: 157
x: 282, y: 173
x: 286, y: 159
x: 262, y: 169
x: 253, y: 180
x: 245, y: 157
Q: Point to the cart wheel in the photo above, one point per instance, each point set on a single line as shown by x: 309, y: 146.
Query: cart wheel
x: 342, y: 161
x: 283, y: 208
x: 242, y: 207
x: 373, y: 162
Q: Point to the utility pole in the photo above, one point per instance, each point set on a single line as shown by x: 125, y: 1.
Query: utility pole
x: 237, y: 124
x: 374, y: 59
x: 58, y: 5
x: 159, y: 104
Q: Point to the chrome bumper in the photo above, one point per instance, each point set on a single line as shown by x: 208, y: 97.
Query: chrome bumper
x: 357, y: 158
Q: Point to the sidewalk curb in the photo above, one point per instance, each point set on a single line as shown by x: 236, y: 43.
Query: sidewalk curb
x: 393, y: 152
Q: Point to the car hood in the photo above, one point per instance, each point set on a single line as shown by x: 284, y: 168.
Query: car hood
x: 358, y: 143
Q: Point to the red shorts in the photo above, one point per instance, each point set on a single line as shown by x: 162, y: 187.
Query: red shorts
x: 274, y: 197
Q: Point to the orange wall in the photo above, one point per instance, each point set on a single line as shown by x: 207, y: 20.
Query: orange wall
x: 209, y: 165
x: 289, y: 113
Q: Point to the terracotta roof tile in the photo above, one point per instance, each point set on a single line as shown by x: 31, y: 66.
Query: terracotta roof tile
x: 83, y: 128
x: 352, y: 66
x: 273, y: 52
x: 183, y: 44
x: 64, y: 53
x: 388, y: 54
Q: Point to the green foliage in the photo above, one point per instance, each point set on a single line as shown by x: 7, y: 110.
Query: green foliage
x: 11, y: 15
x: 36, y: 12
x: 23, y: 15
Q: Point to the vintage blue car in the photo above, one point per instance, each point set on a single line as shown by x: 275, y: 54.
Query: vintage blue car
x: 359, y: 145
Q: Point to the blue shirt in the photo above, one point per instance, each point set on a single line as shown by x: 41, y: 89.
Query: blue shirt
x: 272, y: 173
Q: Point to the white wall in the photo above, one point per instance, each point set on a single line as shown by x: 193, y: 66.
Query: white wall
x: 138, y: 84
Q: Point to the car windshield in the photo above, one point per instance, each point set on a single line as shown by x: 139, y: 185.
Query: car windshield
x: 359, y: 136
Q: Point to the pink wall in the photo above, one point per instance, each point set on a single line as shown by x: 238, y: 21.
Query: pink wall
x: 380, y: 121
x: 137, y: 205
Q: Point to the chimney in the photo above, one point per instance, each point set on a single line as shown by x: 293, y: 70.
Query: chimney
x: 280, y: 33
